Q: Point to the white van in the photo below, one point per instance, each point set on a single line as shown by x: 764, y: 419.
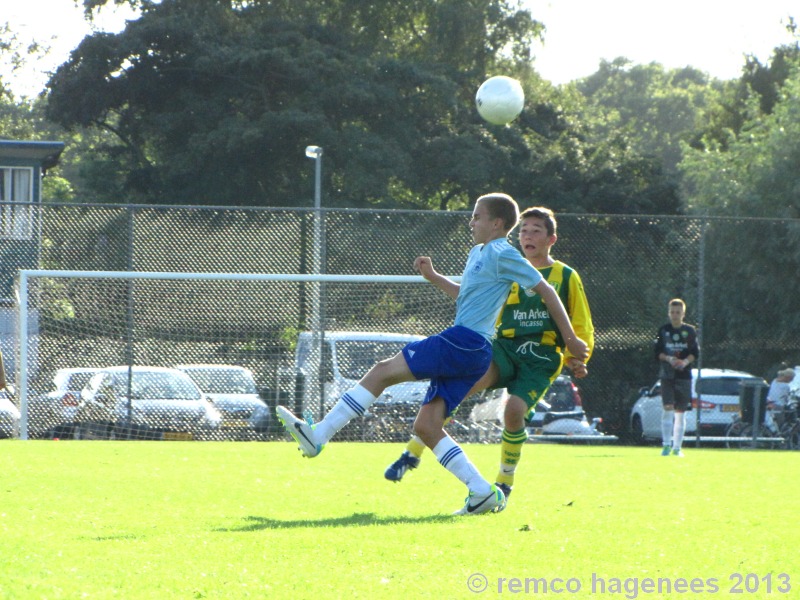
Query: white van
x: 334, y: 361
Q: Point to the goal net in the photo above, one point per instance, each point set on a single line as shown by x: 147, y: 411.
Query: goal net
x: 207, y: 356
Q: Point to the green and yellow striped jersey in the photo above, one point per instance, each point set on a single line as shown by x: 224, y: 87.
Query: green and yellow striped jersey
x: 525, y: 313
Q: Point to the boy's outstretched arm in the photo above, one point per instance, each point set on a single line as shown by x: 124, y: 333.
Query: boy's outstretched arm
x: 424, y: 266
x: 576, y: 346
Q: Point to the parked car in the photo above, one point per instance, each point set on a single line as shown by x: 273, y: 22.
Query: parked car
x: 9, y: 416
x: 233, y: 391
x: 715, y: 391
x: 144, y: 403
x: 52, y: 413
x: 345, y: 357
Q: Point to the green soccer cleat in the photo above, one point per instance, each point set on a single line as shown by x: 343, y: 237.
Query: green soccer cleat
x: 506, y: 489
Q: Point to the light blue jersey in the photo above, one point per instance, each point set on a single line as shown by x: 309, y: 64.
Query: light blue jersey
x: 491, y: 269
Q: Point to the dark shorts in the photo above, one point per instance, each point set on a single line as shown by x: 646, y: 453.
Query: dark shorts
x: 454, y: 360
x: 678, y: 393
x: 526, y: 369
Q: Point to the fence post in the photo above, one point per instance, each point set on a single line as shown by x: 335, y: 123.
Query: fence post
x: 700, y: 308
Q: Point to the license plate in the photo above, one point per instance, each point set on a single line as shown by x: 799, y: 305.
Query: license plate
x: 176, y: 436
x: 729, y: 407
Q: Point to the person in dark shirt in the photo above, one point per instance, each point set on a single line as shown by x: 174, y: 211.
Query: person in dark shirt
x: 675, y: 348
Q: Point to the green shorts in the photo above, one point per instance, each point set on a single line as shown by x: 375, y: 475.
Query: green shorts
x: 526, y: 368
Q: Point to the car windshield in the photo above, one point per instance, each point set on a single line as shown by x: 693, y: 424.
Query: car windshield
x: 164, y: 386
x: 223, y: 381
x: 356, y: 357
x: 722, y: 386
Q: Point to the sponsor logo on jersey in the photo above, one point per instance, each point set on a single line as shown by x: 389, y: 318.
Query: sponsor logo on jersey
x: 533, y: 314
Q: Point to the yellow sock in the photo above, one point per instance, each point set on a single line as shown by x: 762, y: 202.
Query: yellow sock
x: 415, y: 446
x: 510, y: 452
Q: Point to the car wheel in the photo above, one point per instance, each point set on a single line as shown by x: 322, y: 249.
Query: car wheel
x: 91, y: 431
x: 637, y: 431
x: 63, y: 431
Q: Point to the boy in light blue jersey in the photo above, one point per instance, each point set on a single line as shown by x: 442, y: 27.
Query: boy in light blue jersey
x: 455, y: 359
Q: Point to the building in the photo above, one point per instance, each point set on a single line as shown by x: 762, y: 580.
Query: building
x: 22, y: 166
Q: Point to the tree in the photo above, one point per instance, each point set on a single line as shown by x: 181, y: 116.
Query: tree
x: 754, y: 178
x: 756, y: 172
x: 212, y: 102
x: 656, y: 109
x: 726, y: 116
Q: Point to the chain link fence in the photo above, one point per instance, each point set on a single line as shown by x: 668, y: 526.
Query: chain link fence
x: 731, y: 273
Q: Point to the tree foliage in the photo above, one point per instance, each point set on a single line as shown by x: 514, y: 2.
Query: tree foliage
x: 754, y: 177
x: 756, y: 173
x: 654, y: 108
x: 212, y: 102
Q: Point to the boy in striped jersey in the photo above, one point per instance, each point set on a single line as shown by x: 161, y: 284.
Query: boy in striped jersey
x: 455, y: 359
x: 528, y: 351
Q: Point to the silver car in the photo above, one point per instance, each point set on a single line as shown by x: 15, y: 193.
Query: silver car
x: 232, y: 389
x: 145, y: 403
x: 52, y: 414
x: 9, y: 416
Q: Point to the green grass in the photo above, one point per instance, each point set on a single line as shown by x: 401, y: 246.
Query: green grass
x: 254, y: 520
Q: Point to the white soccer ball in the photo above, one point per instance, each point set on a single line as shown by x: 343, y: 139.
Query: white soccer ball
x: 500, y: 99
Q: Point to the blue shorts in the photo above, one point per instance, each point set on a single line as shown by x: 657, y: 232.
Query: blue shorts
x: 454, y: 360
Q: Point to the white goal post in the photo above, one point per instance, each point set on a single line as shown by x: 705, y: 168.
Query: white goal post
x: 95, y: 320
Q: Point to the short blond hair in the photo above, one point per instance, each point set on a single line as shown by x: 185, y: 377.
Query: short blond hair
x: 678, y: 302
x: 501, y: 206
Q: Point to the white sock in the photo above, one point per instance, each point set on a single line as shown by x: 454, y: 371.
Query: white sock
x: 452, y: 457
x: 666, y: 426
x: 353, y: 403
x: 680, y: 429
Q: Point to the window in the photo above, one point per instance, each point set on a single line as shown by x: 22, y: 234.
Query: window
x: 722, y: 386
x: 16, y: 185
x: 356, y: 357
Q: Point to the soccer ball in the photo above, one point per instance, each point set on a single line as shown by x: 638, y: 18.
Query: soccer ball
x: 500, y: 99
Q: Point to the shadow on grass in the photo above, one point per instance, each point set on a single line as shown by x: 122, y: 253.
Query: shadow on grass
x: 355, y: 520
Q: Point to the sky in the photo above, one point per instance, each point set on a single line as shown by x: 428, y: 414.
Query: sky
x: 711, y: 35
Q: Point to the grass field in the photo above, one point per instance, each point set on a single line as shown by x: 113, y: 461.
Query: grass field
x: 254, y: 520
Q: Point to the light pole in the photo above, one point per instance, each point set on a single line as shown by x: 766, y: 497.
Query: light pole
x: 315, y: 152
x: 317, y: 308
